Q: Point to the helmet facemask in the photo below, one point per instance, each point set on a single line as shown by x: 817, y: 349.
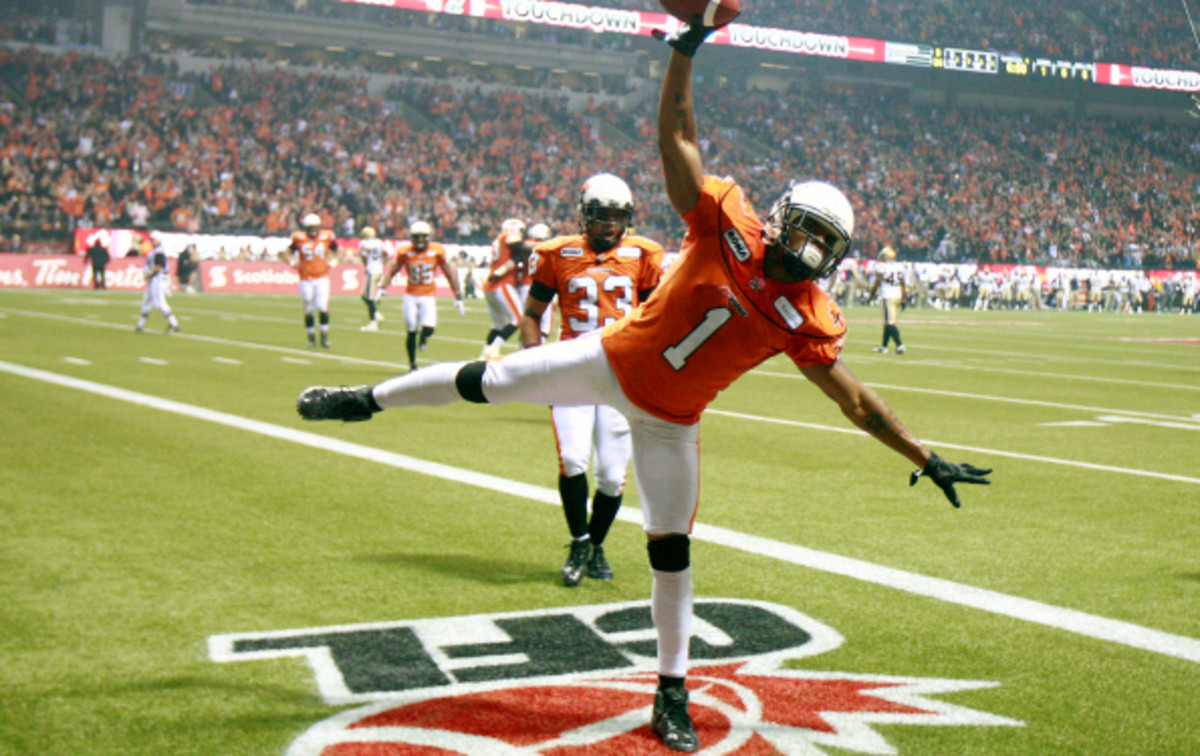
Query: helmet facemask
x: 811, y: 223
x: 418, y: 234
x: 605, y: 210
x: 604, y: 226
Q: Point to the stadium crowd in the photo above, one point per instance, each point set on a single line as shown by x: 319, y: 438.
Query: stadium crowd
x: 96, y: 141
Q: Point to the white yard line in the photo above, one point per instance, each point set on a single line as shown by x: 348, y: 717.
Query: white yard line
x: 788, y: 374
x: 1070, y: 620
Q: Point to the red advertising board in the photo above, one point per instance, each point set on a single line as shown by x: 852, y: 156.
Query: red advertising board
x: 125, y: 273
x: 66, y: 272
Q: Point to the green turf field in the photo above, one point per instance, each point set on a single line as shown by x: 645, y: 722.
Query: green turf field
x: 158, y: 492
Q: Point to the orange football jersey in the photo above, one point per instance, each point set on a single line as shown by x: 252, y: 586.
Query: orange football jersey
x: 501, y: 254
x: 420, y: 268
x: 313, y: 253
x: 595, y: 289
x: 715, y: 315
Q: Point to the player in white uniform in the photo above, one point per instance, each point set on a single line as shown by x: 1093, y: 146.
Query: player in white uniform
x: 374, y: 255
x: 1188, y: 287
x: 892, y: 288
x: 987, y: 289
x: 158, y: 283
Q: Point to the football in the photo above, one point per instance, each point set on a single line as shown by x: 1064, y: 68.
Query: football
x: 714, y: 12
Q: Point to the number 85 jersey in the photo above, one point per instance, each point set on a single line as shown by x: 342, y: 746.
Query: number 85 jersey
x: 594, y: 289
x: 715, y: 315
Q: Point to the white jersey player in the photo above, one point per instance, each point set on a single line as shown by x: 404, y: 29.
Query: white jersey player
x: 374, y: 255
x: 158, y: 283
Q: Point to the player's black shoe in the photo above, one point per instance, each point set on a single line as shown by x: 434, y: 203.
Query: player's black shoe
x: 597, y: 566
x: 572, y: 571
x: 670, y: 721
x: 351, y: 404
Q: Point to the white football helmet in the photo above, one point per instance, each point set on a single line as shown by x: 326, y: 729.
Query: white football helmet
x: 605, y: 199
x: 419, y: 233
x: 539, y: 232
x: 824, y: 220
x: 311, y: 223
x: 513, y: 230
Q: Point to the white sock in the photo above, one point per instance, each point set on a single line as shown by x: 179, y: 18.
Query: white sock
x: 671, y: 608
x: 431, y: 387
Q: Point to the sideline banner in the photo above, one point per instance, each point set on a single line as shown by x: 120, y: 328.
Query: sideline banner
x: 18, y: 271
x: 67, y: 272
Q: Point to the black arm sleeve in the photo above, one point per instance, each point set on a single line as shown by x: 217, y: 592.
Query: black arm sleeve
x: 541, y: 292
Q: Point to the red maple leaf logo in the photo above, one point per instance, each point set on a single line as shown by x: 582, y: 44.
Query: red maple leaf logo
x: 739, y: 709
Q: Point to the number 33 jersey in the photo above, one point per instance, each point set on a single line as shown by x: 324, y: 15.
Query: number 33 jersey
x: 595, y: 289
x: 715, y: 315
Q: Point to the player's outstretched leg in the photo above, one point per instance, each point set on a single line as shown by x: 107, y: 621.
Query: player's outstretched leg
x: 351, y: 404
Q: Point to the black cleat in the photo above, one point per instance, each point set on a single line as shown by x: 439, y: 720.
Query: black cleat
x: 349, y: 404
x: 670, y: 721
x: 572, y: 571
x: 325, y: 341
x: 598, y: 567
x: 312, y: 341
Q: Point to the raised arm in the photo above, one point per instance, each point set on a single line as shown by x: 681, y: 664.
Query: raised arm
x: 678, y: 143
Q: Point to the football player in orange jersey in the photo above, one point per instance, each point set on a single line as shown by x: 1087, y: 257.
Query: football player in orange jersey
x: 310, y: 253
x: 500, y: 289
x: 420, y: 259
x: 538, y: 232
x: 742, y: 291
x: 598, y: 276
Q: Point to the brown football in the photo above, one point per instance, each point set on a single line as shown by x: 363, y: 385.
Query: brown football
x: 714, y: 12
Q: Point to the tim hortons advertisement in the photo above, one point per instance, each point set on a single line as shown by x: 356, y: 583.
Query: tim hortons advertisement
x: 125, y: 273
x: 66, y: 272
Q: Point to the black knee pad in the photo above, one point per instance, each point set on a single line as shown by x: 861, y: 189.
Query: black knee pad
x: 670, y: 554
x: 323, y: 317
x: 469, y: 382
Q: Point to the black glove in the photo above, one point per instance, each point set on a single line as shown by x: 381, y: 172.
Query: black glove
x: 946, y: 474
x: 687, y: 38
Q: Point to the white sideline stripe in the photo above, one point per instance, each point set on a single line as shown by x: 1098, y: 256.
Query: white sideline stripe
x: 76, y: 361
x: 227, y: 360
x: 1071, y: 620
x: 294, y: 360
x: 152, y: 361
x: 981, y: 450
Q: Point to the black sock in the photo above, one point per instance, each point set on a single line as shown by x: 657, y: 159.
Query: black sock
x: 604, y: 511
x: 410, y: 344
x: 574, y: 494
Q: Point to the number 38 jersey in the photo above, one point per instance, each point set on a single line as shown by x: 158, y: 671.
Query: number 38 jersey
x: 716, y: 315
x: 595, y: 289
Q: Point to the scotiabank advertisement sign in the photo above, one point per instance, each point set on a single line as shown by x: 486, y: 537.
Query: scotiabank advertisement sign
x: 274, y: 278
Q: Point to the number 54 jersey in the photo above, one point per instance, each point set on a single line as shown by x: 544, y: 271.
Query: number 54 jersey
x: 715, y: 315
x: 595, y: 289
